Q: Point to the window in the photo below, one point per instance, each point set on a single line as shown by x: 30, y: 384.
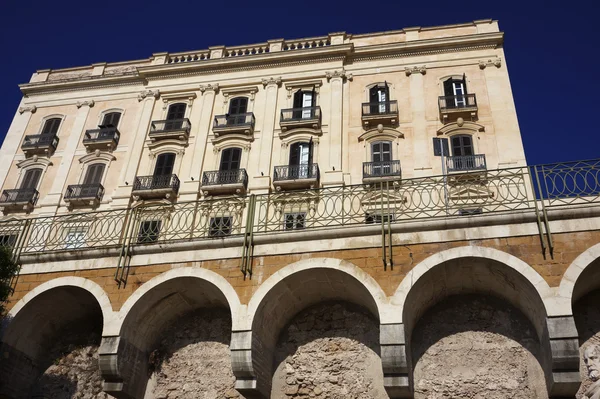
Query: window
x: 51, y: 126
x: 304, y: 101
x: 111, y: 119
x: 379, y: 97
x: 295, y: 221
x: 94, y: 174
x: 456, y: 88
x: 149, y: 231
x: 381, y: 156
x: 470, y: 211
x: 75, y: 239
x: 164, y: 164
x: 8, y: 240
x: 175, y: 116
x: 300, y: 160
x: 220, y: 226
x: 230, y: 159
x: 372, y: 218
x: 31, y: 179
x: 238, y: 107
x: 462, y: 145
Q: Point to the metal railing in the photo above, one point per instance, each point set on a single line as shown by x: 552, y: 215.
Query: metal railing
x: 523, y: 189
x: 380, y: 108
x: 170, y: 126
x: 465, y: 163
x: 19, y: 195
x: 81, y: 191
x: 234, y: 120
x: 381, y: 169
x: 143, y: 183
x: 457, y: 102
x: 40, y: 140
x: 300, y: 114
x: 216, y: 177
x: 294, y: 172
x: 103, y: 134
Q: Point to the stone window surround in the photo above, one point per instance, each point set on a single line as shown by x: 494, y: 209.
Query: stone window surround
x: 108, y: 111
x: 92, y: 159
x: 34, y: 162
x: 293, y: 87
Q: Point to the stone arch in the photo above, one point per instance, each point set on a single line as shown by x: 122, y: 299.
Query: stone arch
x: 293, y: 289
x: 574, y: 285
x: 147, y: 312
x: 480, y: 271
x: 36, y: 322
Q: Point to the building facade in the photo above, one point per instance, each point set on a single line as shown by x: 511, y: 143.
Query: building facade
x: 338, y: 216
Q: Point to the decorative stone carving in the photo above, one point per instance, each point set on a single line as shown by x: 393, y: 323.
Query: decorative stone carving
x: 339, y: 75
x: 271, y: 81
x: 416, y: 69
x: 496, y: 62
x: 31, y: 109
x: 209, y: 87
x: 149, y: 93
x: 591, y: 358
x: 89, y: 103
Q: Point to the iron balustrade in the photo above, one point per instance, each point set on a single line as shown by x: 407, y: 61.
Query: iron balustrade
x: 380, y: 108
x: 143, y: 183
x: 381, y: 169
x: 234, y: 120
x: 19, y: 195
x: 300, y: 114
x: 216, y: 177
x: 502, y: 191
x: 457, y: 102
x: 170, y: 126
x: 294, y: 172
x: 466, y: 163
x: 81, y: 191
x: 102, y: 134
x: 40, y: 141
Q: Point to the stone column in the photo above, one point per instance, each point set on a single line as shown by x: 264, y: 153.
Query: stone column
x: 252, y: 370
x: 122, y: 194
x: 52, y: 200
x: 394, y: 360
x: 331, y: 170
x: 13, y: 139
x: 422, y: 149
x: 564, y: 347
x: 124, y: 368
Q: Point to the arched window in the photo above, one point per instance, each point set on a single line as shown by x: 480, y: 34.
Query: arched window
x: 455, y: 91
x: 379, y: 98
x: 231, y: 159
x: 111, y: 119
x: 175, y: 116
x: 164, y: 164
x: 238, y: 107
x: 94, y: 173
x: 304, y: 103
x: 51, y: 126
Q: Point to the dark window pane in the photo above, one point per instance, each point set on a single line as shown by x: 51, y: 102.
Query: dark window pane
x: 51, y: 126
x: 94, y: 174
x: 31, y: 179
x: 220, y: 226
x: 164, y: 164
x: 111, y: 119
x: 149, y: 231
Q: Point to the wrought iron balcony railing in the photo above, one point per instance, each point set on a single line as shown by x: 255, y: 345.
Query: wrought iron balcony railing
x: 84, y: 191
x: 381, y: 169
x: 172, y: 125
x: 380, y: 108
x: 294, y: 172
x: 147, y: 183
x: 40, y: 141
x: 300, y: 114
x: 106, y: 134
x: 19, y: 196
x: 450, y: 103
x: 219, y: 177
x: 466, y: 163
x: 234, y: 120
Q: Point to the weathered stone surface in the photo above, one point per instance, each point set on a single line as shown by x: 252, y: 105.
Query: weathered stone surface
x: 476, y: 347
x: 329, y: 351
x: 587, y: 319
x: 193, y: 359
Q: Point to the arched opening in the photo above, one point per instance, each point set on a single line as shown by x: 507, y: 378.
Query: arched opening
x: 50, y: 346
x: 315, y: 331
x: 181, y: 329
x: 465, y: 320
x: 586, y: 312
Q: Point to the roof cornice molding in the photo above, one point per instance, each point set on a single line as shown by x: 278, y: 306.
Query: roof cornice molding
x: 80, y: 84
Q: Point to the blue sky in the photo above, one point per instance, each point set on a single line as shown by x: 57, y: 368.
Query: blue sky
x: 552, y: 47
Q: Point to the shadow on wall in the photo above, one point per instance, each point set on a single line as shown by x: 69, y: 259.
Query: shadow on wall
x: 330, y: 348
x: 586, y: 312
x: 476, y: 346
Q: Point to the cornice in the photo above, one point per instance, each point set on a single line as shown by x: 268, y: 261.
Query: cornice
x: 80, y: 84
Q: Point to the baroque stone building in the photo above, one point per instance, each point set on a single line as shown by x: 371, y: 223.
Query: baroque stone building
x: 345, y: 216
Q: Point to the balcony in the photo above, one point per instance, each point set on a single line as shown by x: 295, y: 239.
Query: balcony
x: 224, y: 182
x: 234, y: 123
x: 384, y: 113
x: 374, y: 172
x: 178, y: 129
x: 155, y: 187
x: 40, y: 144
x: 293, y: 118
x: 453, y: 107
x: 466, y: 168
x: 291, y: 177
x: 20, y: 199
x: 100, y: 139
x: 84, y: 195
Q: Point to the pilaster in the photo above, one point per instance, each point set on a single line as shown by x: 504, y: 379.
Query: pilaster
x: 332, y: 165
x: 421, y: 141
x: 394, y: 360
x: 13, y: 139
x: 564, y: 347
x: 124, y: 368
x: 253, y: 371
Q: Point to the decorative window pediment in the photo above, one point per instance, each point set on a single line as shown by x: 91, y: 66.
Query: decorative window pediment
x: 460, y: 126
x: 381, y: 133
